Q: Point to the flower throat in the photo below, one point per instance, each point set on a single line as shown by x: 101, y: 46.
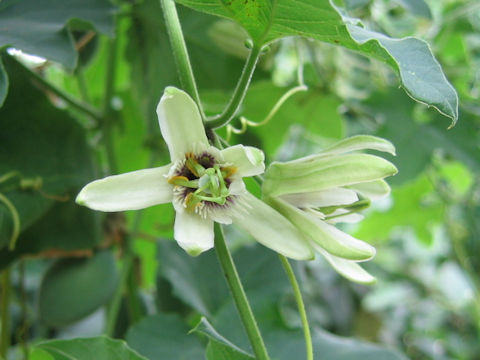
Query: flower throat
x: 204, y: 181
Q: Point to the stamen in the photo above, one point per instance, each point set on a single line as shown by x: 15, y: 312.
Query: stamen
x: 192, y: 164
x: 183, y: 181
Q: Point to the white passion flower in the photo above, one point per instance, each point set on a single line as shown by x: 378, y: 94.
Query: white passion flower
x: 203, y: 183
x: 317, y: 191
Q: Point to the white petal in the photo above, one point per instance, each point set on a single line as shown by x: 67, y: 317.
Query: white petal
x: 330, y: 197
x: 270, y: 228
x: 180, y: 123
x: 350, y: 218
x: 360, y: 142
x: 248, y: 160
x: 130, y: 191
x: 193, y: 233
x: 317, y: 173
x: 237, y: 187
x: 327, y: 236
x: 372, y: 189
x: 347, y: 268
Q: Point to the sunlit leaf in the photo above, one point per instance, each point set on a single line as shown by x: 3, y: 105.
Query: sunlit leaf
x: 411, y: 58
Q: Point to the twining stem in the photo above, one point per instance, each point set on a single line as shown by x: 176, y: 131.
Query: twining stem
x: 5, y: 313
x: 179, y: 49
x: 300, y: 304
x: 239, y: 296
x: 77, y: 104
x: 239, y: 93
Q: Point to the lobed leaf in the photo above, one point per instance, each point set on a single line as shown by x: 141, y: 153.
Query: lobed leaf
x: 411, y: 58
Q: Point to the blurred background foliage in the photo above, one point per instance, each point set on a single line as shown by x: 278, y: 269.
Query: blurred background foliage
x: 69, y: 263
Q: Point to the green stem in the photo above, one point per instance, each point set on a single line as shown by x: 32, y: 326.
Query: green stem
x: 114, y: 307
x: 124, y: 283
x: 77, y: 104
x: 5, y: 313
x: 82, y: 86
x: 239, y: 296
x: 179, y: 48
x: 109, y: 114
x: 15, y: 221
x: 23, y: 331
x: 239, y: 93
x: 300, y: 304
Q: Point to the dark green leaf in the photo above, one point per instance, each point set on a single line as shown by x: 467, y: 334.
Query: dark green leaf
x: 411, y: 58
x: 101, y: 348
x: 331, y: 347
x: 163, y: 336
x: 43, y: 148
x: 39, y: 27
x: 219, y: 348
x: 196, y: 281
x: 74, y: 288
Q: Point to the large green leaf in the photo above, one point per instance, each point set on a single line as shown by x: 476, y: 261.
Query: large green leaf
x: 40, y: 27
x: 161, y: 336
x: 73, y: 288
x: 43, y: 148
x: 196, y: 281
x: 101, y: 348
x: 266, y: 285
x: 411, y: 58
x: 218, y: 347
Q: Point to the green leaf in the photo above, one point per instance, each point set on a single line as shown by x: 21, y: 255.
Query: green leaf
x: 266, y: 285
x: 101, y: 348
x: 411, y: 58
x: 163, y: 336
x: 43, y: 149
x: 40, y: 27
x: 196, y: 281
x: 74, y: 288
x: 219, y: 348
x: 420, y: 73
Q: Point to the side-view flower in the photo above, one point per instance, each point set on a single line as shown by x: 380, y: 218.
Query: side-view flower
x: 203, y: 183
x: 317, y: 191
